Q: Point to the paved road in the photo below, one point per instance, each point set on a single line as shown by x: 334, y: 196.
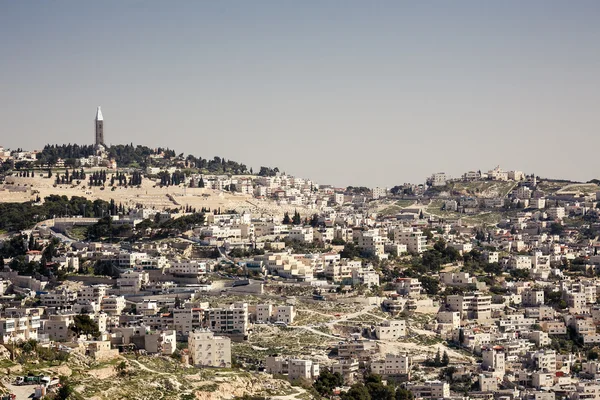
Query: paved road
x: 22, y: 392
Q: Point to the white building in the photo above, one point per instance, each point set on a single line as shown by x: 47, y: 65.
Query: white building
x: 391, y: 330
x: 192, y: 268
x: 414, y: 240
x: 393, y: 365
x: 208, y: 350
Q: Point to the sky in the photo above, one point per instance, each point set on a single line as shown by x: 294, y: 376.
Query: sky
x: 343, y: 92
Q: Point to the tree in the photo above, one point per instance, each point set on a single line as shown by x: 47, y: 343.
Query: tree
x: 296, y: 220
x: 121, y: 368
x: 66, y: 389
x: 327, y: 381
x: 377, y: 390
x: 556, y: 229
x: 286, y: 219
x: 357, y: 392
x: 403, y: 394
x: 314, y: 221
x: 430, y: 284
x: 445, y: 359
x: 437, y: 361
x: 84, y: 325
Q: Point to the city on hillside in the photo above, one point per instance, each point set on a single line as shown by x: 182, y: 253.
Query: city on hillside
x: 136, y: 272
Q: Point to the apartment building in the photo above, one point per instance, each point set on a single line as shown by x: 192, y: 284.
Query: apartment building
x: 57, y: 326
x: 473, y: 306
x: 371, y: 243
x: 113, y: 305
x: 556, y: 212
x: 586, y: 391
x: 429, y: 389
x: 92, y: 294
x: 391, y: 330
x: 493, y: 360
x: 365, y: 276
x: 414, y: 240
x: 544, y: 360
x: 191, y: 268
x: 302, y: 234
x: 532, y: 297
x: 186, y: 320
x: 361, y: 350
x: 347, y: 368
x: 457, y: 279
x: 286, y: 265
x: 410, y: 287
x: 19, y: 328
x: 269, y: 313
x: 60, y: 299
x: 132, y: 281
x: 208, y: 350
x: 292, y: 367
x: 232, y: 319
x: 392, y: 365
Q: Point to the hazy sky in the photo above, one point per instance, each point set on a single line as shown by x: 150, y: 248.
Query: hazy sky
x: 343, y: 92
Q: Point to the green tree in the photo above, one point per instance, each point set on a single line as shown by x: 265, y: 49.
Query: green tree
x: 437, y: 361
x: 403, y: 394
x: 358, y: 391
x: 66, y: 389
x: 327, y: 381
x: 286, y: 219
x: 84, y: 325
x: 377, y: 390
x: 445, y: 359
x: 296, y: 220
x: 430, y: 284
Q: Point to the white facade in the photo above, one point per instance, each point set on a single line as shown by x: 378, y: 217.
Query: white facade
x: 208, y: 350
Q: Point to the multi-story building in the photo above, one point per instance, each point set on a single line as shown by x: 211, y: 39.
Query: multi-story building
x: 473, y: 306
x: 371, y: 243
x: 391, y: 330
x: 208, y: 350
x: 544, y: 360
x: 186, y: 320
x: 409, y: 287
x: 113, y: 305
x: 556, y: 212
x: 414, y: 240
x: 493, y: 360
x: 57, y: 326
x: 294, y: 368
x: 361, y: 350
x: 301, y: 234
x: 192, y: 268
x: 232, y: 319
x: 429, y: 389
x: 132, y: 281
x: 269, y: 313
x: 19, y: 328
x: 92, y: 294
x: 392, y: 365
x: 532, y: 297
x: 347, y: 368
x: 365, y: 276
x: 586, y: 391
x: 61, y: 299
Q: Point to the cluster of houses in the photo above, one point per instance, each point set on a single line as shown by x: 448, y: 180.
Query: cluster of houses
x: 530, y: 316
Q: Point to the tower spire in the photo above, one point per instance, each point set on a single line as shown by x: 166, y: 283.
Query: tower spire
x: 99, y: 122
